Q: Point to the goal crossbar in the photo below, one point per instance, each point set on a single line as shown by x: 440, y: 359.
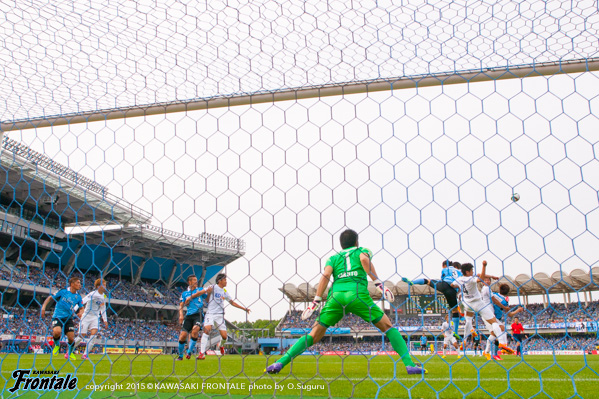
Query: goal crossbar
x: 336, y: 89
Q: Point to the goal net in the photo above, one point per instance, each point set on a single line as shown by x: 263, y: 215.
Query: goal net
x: 146, y: 142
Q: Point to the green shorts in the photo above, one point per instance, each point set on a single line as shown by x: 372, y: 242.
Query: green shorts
x: 343, y: 302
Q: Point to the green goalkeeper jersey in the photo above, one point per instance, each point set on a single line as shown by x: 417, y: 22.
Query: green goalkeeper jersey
x: 348, y: 273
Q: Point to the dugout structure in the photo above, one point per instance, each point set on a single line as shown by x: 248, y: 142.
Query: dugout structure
x: 281, y: 124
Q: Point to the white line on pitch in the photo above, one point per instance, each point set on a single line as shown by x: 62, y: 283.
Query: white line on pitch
x: 316, y: 379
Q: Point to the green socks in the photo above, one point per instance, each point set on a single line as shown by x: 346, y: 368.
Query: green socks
x: 397, y: 342
x: 299, y: 347
x: 399, y: 345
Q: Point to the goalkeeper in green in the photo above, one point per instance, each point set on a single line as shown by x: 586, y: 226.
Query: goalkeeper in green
x: 350, y: 269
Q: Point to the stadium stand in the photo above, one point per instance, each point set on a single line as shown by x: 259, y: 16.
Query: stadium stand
x: 568, y: 326
x: 534, y: 315
x: 551, y: 343
x: 56, y: 223
x: 577, y: 281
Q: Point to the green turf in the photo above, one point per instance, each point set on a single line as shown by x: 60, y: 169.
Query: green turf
x: 325, y: 376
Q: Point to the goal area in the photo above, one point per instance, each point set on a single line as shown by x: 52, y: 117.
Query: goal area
x: 147, y: 142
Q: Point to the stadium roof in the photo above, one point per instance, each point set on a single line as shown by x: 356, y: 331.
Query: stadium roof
x: 522, y: 284
x: 56, y: 188
x: 150, y: 241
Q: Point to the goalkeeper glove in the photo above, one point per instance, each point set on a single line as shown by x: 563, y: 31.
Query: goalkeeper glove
x: 387, y: 294
x: 312, y: 308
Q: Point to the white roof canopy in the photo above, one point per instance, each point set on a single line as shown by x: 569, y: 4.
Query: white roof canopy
x: 522, y: 284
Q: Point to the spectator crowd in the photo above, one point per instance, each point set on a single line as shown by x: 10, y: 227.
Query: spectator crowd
x: 534, y: 314
x: 535, y: 343
x: 19, y: 321
x: 124, y: 289
x: 24, y: 319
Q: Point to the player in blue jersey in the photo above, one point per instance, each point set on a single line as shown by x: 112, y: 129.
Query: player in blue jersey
x: 191, y: 321
x: 68, y: 302
x: 448, y: 275
x: 423, y: 342
x: 500, y: 304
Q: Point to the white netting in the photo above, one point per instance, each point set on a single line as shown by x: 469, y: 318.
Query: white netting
x: 293, y: 122
x: 62, y: 58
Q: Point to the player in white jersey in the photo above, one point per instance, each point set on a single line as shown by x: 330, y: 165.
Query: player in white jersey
x: 499, y: 304
x: 95, y: 307
x: 449, y: 337
x: 473, y: 303
x: 216, y: 314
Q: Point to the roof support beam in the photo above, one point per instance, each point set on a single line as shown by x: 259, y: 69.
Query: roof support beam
x: 107, y: 269
x: 171, y: 277
x: 44, y: 256
x: 10, y: 252
x: 586, y: 301
x: 203, y: 276
x: 139, y: 270
x: 71, y: 263
x: 105, y: 266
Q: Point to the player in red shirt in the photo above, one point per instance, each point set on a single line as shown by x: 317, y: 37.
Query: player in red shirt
x: 517, y: 332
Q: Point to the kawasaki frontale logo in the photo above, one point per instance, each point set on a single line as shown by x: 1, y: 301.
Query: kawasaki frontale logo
x: 37, y: 382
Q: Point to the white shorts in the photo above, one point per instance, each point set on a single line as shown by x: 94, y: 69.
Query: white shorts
x: 88, y: 323
x: 501, y: 323
x: 485, y: 310
x: 218, y: 319
x: 449, y: 340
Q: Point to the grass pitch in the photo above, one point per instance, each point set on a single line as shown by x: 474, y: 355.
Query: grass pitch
x: 160, y: 376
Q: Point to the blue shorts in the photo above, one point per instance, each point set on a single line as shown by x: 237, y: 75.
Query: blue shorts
x: 66, y: 325
x: 517, y: 337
